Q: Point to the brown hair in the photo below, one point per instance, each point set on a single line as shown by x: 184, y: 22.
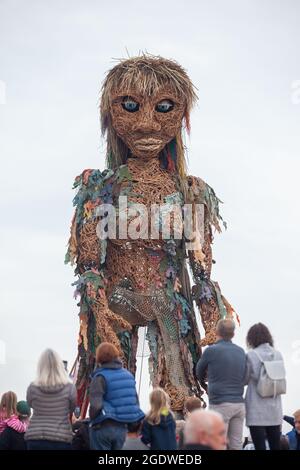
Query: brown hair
x: 106, y: 352
x: 192, y: 403
x: 225, y: 328
x: 259, y: 334
x: 8, y: 404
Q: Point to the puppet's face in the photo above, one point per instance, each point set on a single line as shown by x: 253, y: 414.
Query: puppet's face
x: 147, y: 123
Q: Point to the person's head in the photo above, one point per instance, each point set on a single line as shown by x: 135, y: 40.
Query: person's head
x: 225, y: 329
x: 23, y: 410
x: 191, y: 404
x: 145, y: 102
x: 135, y: 428
x: 8, y: 405
x: 159, y: 404
x: 51, y: 372
x: 207, y: 428
x: 297, y: 421
x: 106, y: 352
x: 258, y: 334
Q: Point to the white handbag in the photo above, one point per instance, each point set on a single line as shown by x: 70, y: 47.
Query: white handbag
x: 272, y: 381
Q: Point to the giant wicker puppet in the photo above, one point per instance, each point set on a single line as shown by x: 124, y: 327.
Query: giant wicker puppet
x: 127, y: 282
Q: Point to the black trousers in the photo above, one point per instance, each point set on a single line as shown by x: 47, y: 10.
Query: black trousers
x: 259, y: 435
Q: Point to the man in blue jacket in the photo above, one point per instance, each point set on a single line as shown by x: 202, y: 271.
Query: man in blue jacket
x: 113, y: 400
x: 224, y: 364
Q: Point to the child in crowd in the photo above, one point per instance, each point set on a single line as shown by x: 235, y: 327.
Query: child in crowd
x: 8, y: 408
x: 133, y: 438
x: 12, y: 437
x: 159, y: 428
x: 191, y: 404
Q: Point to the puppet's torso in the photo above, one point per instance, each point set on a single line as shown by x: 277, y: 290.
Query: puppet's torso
x: 139, y: 260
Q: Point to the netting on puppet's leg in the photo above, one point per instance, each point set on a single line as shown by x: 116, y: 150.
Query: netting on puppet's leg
x: 162, y: 370
x: 169, y: 333
x: 177, y: 351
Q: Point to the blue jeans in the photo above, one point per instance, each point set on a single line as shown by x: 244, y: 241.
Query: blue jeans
x: 108, y: 437
x: 47, y: 445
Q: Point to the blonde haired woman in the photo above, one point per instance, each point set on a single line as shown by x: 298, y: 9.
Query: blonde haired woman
x: 52, y: 397
x: 159, y: 428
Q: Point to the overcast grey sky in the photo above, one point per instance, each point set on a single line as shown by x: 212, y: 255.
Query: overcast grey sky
x: 243, y: 56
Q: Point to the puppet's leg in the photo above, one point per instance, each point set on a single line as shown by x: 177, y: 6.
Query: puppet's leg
x: 99, y: 324
x: 166, y: 362
x: 158, y: 367
x: 127, y: 304
x: 161, y: 369
x: 157, y: 309
x: 109, y: 324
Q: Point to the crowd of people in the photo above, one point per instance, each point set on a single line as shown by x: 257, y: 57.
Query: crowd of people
x: 46, y: 420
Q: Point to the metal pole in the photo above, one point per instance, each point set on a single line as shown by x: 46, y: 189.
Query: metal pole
x: 143, y: 348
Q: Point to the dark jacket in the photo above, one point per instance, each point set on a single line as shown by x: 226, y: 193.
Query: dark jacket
x: 225, y: 364
x: 113, y: 395
x: 160, y: 436
x: 12, y: 440
x: 81, y: 439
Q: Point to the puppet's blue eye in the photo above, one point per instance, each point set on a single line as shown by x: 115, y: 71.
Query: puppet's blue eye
x: 130, y: 105
x: 164, y: 106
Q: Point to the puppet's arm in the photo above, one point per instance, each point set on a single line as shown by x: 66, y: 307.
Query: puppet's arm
x: 206, y: 292
x: 86, y: 250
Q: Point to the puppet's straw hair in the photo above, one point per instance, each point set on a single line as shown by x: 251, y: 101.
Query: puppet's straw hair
x: 146, y: 74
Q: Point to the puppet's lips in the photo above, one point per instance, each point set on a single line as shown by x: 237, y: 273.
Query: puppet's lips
x: 148, y: 143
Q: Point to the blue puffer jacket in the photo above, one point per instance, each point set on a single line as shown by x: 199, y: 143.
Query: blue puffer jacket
x: 120, y: 401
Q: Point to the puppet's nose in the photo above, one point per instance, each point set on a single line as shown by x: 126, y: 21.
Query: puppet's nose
x: 147, y: 122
